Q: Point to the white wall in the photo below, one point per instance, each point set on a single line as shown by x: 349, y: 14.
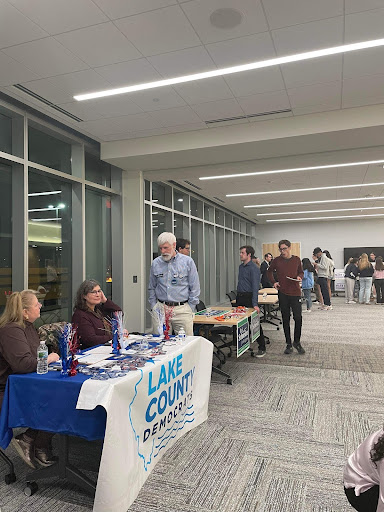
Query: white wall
x: 332, y: 235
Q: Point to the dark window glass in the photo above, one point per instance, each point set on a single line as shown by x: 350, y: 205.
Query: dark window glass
x: 228, y: 220
x: 5, y: 133
x: 5, y: 233
x: 236, y: 224
x: 11, y: 132
x: 50, y: 245
x: 161, y: 221
x: 162, y: 194
x: 181, y: 226
x: 180, y: 201
x: 147, y: 190
x: 209, y: 212
x: 97, y: 171
x: 48, y: 150
x: 196, y: 207
x: 219, y: 217
x: 98, y: 240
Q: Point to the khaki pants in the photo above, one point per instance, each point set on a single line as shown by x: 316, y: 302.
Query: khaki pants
x: 182, y: 317
x: 349, y: 288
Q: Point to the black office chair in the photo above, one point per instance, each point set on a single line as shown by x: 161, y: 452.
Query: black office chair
x: 232, y: 298
x: 10, y: 477
x: 215, y: 335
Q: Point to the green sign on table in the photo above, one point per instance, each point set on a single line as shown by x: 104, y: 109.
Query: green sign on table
x: 242, y: 336
x: 255, y: 326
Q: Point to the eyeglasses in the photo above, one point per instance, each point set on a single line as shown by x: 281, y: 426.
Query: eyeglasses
x: 283, y: 248
x: 95, y: 292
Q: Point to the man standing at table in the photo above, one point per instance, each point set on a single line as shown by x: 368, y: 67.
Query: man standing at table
x: 248, y: 288
x: 174, y: 282
x: 289, y: 274
x: 263, y: 269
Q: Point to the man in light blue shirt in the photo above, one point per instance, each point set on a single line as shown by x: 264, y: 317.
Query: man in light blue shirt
x: 174, y: 282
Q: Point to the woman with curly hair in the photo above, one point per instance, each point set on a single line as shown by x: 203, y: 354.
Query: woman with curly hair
x: 364, y: 475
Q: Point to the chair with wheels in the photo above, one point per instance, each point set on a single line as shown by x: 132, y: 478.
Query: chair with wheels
x: 10, y: 477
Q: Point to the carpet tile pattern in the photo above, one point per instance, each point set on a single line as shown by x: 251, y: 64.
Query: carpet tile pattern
x: 275, y: 441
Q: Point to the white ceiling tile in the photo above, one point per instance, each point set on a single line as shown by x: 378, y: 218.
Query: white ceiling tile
x: 160, y: 31
x: 158, y: 99
x: 266, y: 102
x: 282, y: 13
x: 322, y: 70
x: 327, y: 94
x: 242, y: 50
x: 183, y: 62
x: 202, y: 91
x: 309, y: 36
x: 121, y: 124
x: 358, y: 5
x: 199, y: 12
x: 129, y: 73
x: 218, y: 109
x: 99, y: 45
x: 135, y: 134
x: 82, y: 110
x: 367, y: 62
x: 254, y: 82
x: 62, y: 88
x: 175, y: 116
x: 114, y: 106
x: 15, y: 28
x: 115, y: 9
x: 187, y: 127
x: 61, y: 16
x: 364, y: 26
x: 367, y: 90
x: 312, y: 109
x: 46, y: 57
x: 13, y: 72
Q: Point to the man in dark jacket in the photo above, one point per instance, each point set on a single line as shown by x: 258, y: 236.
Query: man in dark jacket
x: 265, y: 282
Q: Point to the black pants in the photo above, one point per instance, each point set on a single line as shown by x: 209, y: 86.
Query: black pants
x: 366, y: 502
x: 323, y: 282
x: 288, y: 303
x: 245, y: 299
x: 40, y: 438
x: 379, y: 285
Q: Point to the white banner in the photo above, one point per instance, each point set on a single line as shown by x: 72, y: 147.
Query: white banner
x: 147, y: 411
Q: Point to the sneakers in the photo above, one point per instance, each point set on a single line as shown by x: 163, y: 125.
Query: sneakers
x: 260, y: 353
x: 24, y: 447
x: 299, y: 348
x: 288, y: 349
x: 307, y: 311
x: 351, y: 302
x: 326, y: 308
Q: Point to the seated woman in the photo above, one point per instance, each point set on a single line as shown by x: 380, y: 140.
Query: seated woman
x: 18, y: 354
x: 91, y: 313
x: 364, y: 475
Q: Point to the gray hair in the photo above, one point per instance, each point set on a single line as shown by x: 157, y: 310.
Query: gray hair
x: 165, y: 237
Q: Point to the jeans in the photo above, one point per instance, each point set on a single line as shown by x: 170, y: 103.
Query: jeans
x: 323, y: 282
x: 349, y: 288
x: 288, y: 303
x: 379, y: 285
x: 366, y: 502
x: 365, y: 289
x: 308, y: 298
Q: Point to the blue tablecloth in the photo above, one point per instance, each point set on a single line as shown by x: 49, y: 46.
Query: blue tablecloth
x: 48, y: 402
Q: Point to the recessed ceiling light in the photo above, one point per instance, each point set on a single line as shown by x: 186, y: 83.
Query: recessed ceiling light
x: 321, y: 211
x: 337, y: 217
x: 365, y: 198
x: 305, y: 189
x: 235, y: 69
x: 294, y: 169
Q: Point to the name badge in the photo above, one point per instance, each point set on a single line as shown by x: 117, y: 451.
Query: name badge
x: 174, y: 281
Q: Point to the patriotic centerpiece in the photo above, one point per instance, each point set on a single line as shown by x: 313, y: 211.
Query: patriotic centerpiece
x: 168, y: 314
x: 69, y: 346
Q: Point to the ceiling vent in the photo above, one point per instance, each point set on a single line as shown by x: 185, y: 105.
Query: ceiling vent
x: 218, y: 199
x: 226, y: 18
x: 192, y: 185
x: 47, y: 102
x: 249, y: 116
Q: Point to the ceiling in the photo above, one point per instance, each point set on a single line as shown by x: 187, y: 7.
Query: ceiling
x: 58, y: 49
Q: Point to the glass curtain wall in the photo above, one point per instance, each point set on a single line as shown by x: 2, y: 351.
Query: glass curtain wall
x: 55, y: 212
x: 215, y: 236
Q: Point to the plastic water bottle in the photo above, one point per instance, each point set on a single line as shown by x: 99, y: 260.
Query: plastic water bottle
x: 42, y: 358
x: 181, y: 335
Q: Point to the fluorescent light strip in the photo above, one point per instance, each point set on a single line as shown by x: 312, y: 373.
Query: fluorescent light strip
x: 324, y: 218
x: 45, y: 193
x: 322, y: 211
x: 315, y: 202
x: 43, y: 220
x: 304, y: 189
x: 235, y: 69
x: 295, y: 169
x: 46, y: 209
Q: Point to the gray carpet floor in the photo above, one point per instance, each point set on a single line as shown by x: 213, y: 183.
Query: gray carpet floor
x: 275, y: 441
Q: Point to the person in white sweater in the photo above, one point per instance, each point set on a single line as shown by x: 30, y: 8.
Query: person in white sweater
x: 364, y: 475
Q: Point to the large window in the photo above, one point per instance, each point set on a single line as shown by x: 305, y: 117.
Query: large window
x: 97, y: 171
x: 50, y: 244
x: 11, y: 132
x: 98, y: 239
x: 50, y: 151
x: 5, y: 233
